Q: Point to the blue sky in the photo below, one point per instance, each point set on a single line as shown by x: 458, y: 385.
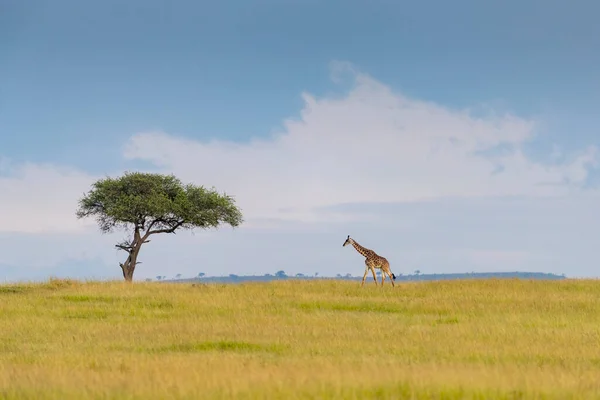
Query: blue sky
x: 94, y: 89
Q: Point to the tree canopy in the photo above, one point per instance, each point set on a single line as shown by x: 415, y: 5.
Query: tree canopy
x: 148, y: 203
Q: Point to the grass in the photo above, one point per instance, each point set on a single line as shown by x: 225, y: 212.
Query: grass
x: 487, y: 339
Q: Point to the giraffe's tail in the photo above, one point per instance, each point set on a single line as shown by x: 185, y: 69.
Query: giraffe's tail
x: 393, y: 276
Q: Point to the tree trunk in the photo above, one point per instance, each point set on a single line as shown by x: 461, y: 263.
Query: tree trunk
x: 133, y: 249
x: 128, y: 266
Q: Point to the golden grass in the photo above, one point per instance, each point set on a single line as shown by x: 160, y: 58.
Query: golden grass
x: 487, y: 339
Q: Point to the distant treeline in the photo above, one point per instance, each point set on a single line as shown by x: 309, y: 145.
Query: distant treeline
x: 415, y: 277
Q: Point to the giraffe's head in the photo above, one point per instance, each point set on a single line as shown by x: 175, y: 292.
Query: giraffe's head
x: 348, y: 241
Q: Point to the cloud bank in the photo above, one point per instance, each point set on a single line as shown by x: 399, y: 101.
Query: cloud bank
x: 370, y: 146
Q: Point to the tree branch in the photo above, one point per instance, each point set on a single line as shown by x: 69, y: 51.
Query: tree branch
x: 165, y: 230
x: 128, y: 248
x: 152, y: 224
x: 124, y: 247
x: 165, y: 221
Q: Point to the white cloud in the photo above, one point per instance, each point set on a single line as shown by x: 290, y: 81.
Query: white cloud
x: 373, y: 145
x: 39, y: 198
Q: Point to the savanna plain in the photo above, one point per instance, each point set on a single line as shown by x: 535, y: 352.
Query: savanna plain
x: 301, y: 339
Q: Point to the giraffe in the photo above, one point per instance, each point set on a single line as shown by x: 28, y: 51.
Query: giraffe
x: 372, y: 261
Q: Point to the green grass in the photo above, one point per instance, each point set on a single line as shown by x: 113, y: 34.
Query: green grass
x: 487, y: 339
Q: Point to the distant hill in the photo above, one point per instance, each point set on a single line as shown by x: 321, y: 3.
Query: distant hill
x: 415, y: 277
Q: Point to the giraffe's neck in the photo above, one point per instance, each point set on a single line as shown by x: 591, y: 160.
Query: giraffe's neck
x: 362, y: 250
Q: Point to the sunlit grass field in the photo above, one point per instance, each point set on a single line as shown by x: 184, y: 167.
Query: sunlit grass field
x: 322, y: 339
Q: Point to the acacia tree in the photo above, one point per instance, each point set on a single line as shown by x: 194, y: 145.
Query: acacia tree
x: 146, y: 204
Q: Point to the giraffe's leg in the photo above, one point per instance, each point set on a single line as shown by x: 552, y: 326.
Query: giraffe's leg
x: 374, y: 276
x: 364, y: 277
x: 382, y: 276
x: 390, y: 275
